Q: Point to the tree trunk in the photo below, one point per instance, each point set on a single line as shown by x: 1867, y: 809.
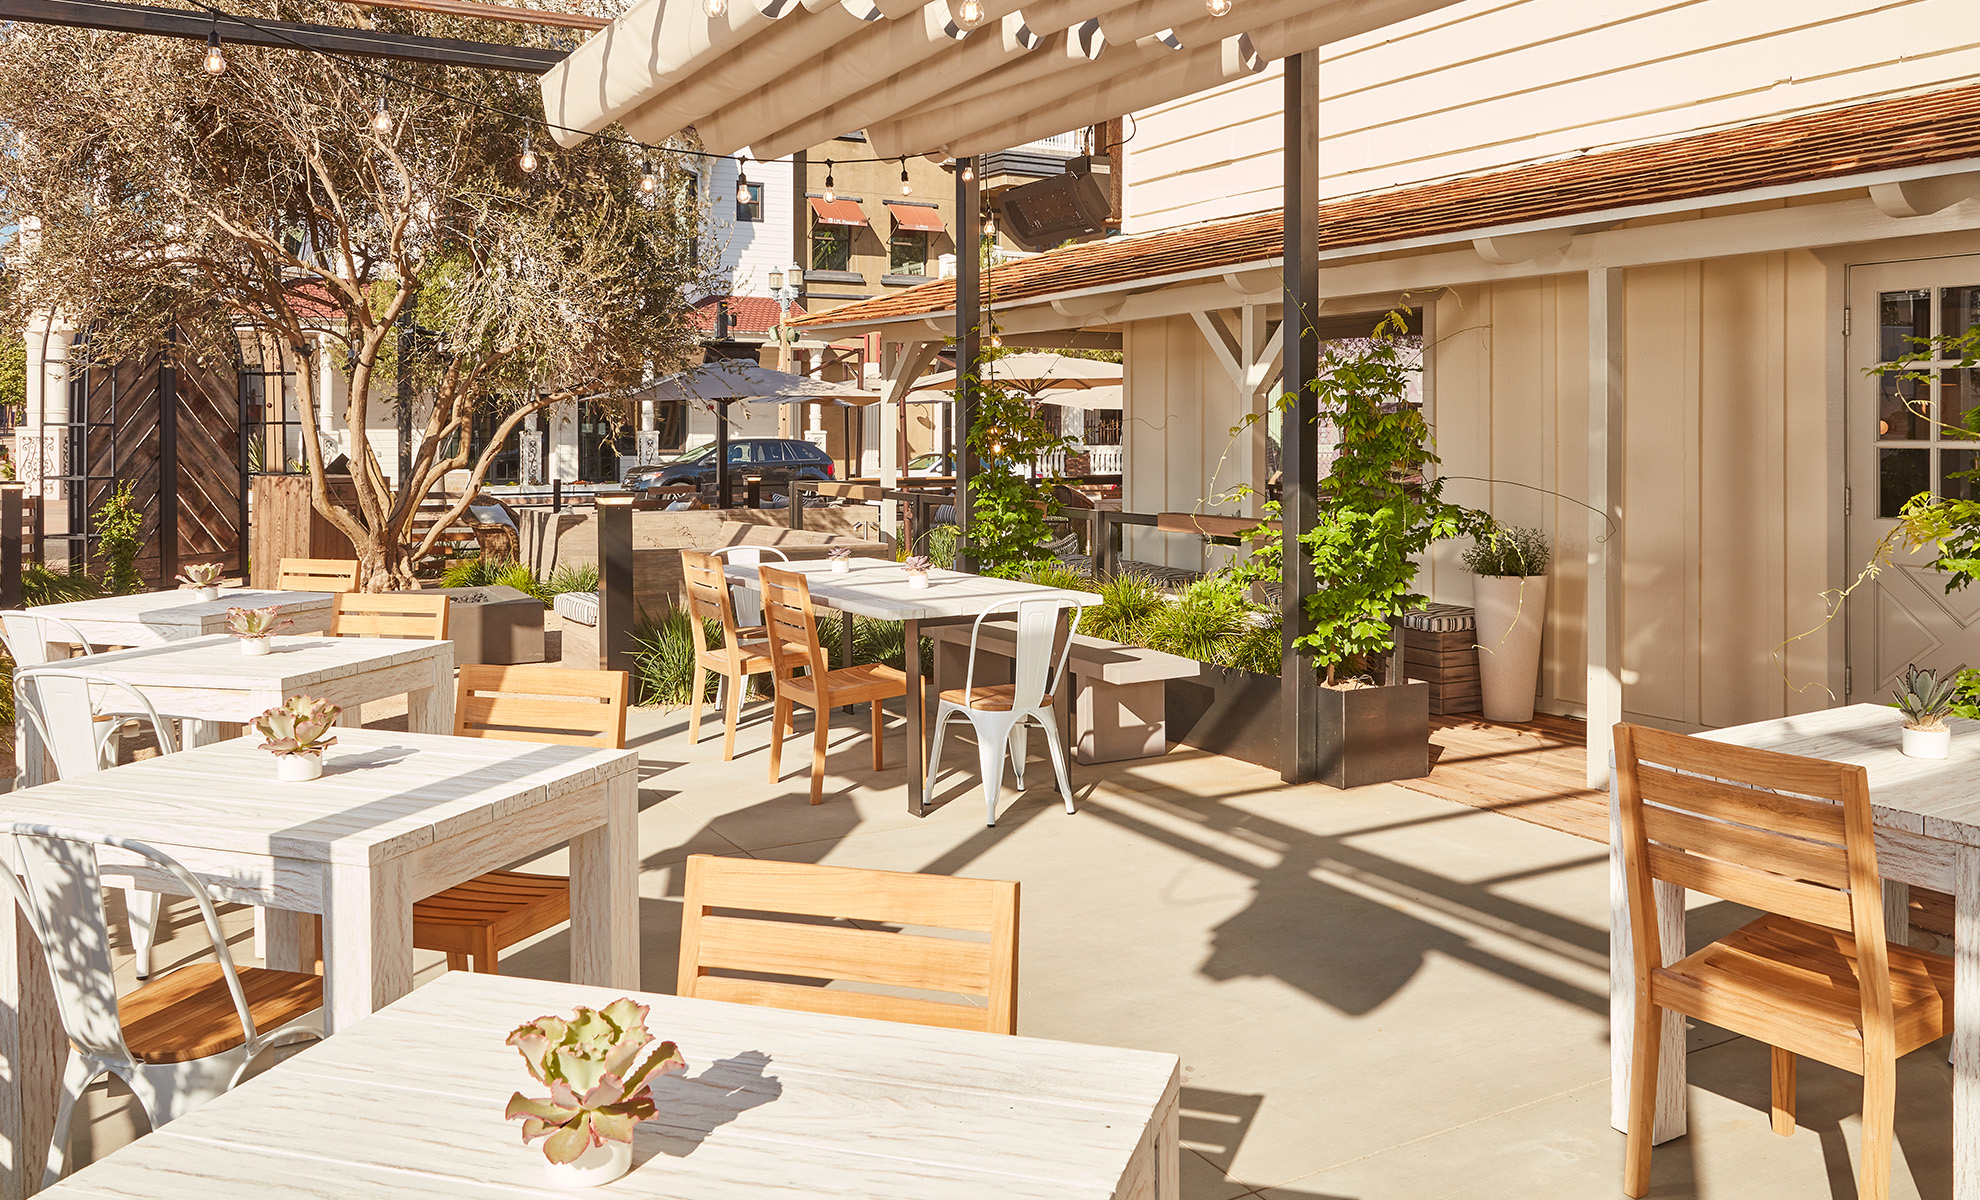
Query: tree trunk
x: 383, y: 565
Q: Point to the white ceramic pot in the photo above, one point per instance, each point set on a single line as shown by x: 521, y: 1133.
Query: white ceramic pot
x: 208, y: 593
x: 597, y: 1165
x: 298, y: 768
x: 841, y: 567
x: 254, y: 647
x: 917, y: 582
x: 1510, y: 612
x: 1927, y: 743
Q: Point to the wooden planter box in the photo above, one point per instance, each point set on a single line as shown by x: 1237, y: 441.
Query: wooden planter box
x: 1440, y: 647
x: 1365, y: 735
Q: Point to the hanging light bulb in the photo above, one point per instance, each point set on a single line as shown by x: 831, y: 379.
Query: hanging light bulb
x: 527, y: 160
x: 215, y: 63
x: 1219, y: 8
x: 649, y: 183
x: 831, y: 193
x: 381, y: 121
x: 715, y: 9
x: 742, y: 180
x: 969, y: 14
x: 996, y: 342
x: 907, y: 189
x: 969, y: 170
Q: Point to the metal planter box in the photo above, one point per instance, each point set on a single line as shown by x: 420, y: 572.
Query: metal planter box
x: 1365, y: 735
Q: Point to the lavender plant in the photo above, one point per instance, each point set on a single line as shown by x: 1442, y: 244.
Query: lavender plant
x: 599, y: 1064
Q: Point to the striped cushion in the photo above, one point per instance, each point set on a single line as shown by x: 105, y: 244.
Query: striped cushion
x: 578, y: 607
x: 1440, y: 618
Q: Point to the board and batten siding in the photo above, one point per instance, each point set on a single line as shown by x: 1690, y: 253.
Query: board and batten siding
x: 1486, y: 84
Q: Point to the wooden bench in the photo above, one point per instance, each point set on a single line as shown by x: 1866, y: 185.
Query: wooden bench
x: 1120, y: 707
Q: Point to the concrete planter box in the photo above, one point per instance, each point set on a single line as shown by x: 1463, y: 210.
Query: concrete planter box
x: 1365, y: 735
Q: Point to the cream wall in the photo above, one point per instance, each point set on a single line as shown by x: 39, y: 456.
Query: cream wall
x: 1485, y: 84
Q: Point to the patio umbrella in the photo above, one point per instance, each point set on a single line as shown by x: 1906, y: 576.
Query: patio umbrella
x: 720, y: 381
x: 1034, y: 371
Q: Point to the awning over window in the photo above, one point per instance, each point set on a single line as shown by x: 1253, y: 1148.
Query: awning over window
x: 838, y: 212
x: 918, y: 217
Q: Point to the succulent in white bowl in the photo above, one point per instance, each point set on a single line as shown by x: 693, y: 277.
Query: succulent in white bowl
x: 204, y: 579
x: 917, y: 570
x: 254, y: 626
x: 599, y: 1065
x: 1926, y: 701
x: 295, y: 733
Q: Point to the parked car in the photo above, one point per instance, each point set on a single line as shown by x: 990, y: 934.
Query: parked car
x: 939, y: 465
x: 775, y: 460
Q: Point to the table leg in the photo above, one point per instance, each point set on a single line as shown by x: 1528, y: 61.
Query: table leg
x: 367, y: 941
x: 846, y: 647
x: 1670, y: 1119
x: 1897, y: 913
x: 917, y: 746
x: 32, y: 1050
x: 34, y: 767
x: 1966, y: 1023
x: 290, y: 938
x: 431, y: 709
x: 605, y: 891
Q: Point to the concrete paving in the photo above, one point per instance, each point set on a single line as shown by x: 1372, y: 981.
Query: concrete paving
x: 1375, y: 994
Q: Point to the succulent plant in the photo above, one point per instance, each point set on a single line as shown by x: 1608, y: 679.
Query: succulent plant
x: 297, y: 726
x: 202, y: 575
x: 599, y: 1064
x: 916, y: 564
x: 840, y: 553
x: 1924, y: 698
x: 254, y: 622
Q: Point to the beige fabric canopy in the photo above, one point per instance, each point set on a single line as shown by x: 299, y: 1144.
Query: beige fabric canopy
x: 784, y: 75
x: 1034, y: 371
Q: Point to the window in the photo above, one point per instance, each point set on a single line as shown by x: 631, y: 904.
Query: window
x: 831, y: 248
x: 769, y: 452
x: 691, y: 219
x: 1922, y: 405
x: 907, y: 252
x: 752, y: 208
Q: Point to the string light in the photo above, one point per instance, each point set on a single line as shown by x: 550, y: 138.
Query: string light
x: 742, y: 179
x: 215, y: 63
x: 527, y: 161
x: 907, y: 189
x: 1219, y: 8
x: 831, y: 193
x: 970, y: 14
x: 381, y: 121
x: 969, y: 172
x: 649, y: 183
x: 715, y: 9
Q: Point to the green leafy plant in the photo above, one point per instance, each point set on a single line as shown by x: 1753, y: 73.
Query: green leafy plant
x: 39, y: 585
x: 1509, y: 550
x: 1924, y: 698
x: 663, y: 658
x: 599, y: 1064
x: 1007, y: 511
x: 298, y: 725
x: 582, y: 577
x: 942, y: 542
x: 1052, y: 573
x: 1127, y: 601
x: 119, y: 524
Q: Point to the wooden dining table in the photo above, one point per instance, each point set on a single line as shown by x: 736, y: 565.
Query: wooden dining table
x: 395, y: 818
x: 1927, y: 814
x: 149, y: 618
x: 408, y: 1104
x: 877, y: 588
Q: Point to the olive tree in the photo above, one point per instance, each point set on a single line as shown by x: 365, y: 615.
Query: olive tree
x: 273, y: 202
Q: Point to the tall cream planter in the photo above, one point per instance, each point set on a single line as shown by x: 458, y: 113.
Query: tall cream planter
x: 1510, y: 610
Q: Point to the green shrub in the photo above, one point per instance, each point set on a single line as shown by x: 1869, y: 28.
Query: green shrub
x: 1126, y: 602
x: 1509, y: 550
x: 1055, y: 574
x: 580, y: 578
x: 473, y: 573
x: 39, y: 585
x: 941, y: 542
x: 663, y: 659
x: 118, y: 526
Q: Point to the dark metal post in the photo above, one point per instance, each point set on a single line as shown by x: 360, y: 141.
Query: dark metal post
x: 10, y: 543
x: 242, y: 562
x: 721, y: 454
x: 615, y: 580
x: 1299, y: 437
x: 168, y: 461
x: 556, y: 495
x: 969, y: 340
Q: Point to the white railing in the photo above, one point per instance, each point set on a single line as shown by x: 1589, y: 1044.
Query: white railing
x: 1100, y: 460
x: 1067, y: 144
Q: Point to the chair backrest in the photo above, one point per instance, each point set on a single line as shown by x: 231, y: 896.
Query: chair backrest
x: 25, y: 634
x: 749, y: 556
x: 770, y: 942
x: 542, y: 704
x: 708, y: 600
x: 791, y: 624
x: 61, y: 891
x: 1035, y: 674
x: 1777, y: 832
x: 388, y: 615
x: 318, y: 575
x: 62, y: 703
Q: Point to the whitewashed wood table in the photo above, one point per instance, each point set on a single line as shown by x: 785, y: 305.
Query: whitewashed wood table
x: 395, y: 818
x: 149, y: 618
x: 878, y: 588
x: 208, y: 683
x: 408, y: 1103
x: 1928, y: 834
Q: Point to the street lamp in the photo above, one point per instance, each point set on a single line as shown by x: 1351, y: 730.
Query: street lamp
x: 785, y: 287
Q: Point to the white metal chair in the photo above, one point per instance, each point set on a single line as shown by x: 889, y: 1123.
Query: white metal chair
x: 25, y: 634
x: 60, y: 703
x: 176, y: 1042
x: 749, y: 605
x: 998, y: 712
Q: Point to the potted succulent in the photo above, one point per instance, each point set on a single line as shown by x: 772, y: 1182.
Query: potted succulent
x: 599, y: 1064
x: 295, y: 731
x: 1509, y: 595
x: 841, y: 557
x: 1926, y: 700
x: 204, y: 579
x: 254, y: 626
x: 917, y: 570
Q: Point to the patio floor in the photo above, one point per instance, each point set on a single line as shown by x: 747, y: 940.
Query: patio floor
x: 1375, y: 993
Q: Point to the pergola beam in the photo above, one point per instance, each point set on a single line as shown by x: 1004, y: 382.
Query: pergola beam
x: 1299, y: 436
x: 491, y: 12
x: 280, y: 35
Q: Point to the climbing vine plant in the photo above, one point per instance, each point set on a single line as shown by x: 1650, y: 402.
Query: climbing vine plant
x: 1007, y: 527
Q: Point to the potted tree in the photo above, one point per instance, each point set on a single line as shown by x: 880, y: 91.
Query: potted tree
x: 1509, y: 594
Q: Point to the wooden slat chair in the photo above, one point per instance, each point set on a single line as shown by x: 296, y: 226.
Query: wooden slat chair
x: 480, y: 918
x: 744, y: 651
x: 318, y: 575
x: 390, y: 615
x: 766, y: 943
x: 1793, y: 837
x: 791, y: 625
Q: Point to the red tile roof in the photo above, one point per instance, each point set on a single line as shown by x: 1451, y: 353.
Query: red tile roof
x: 747, y: 314
x: 1906, y: 131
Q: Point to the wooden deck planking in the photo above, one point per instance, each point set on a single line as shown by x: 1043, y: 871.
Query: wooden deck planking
x: 1534, y: 772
